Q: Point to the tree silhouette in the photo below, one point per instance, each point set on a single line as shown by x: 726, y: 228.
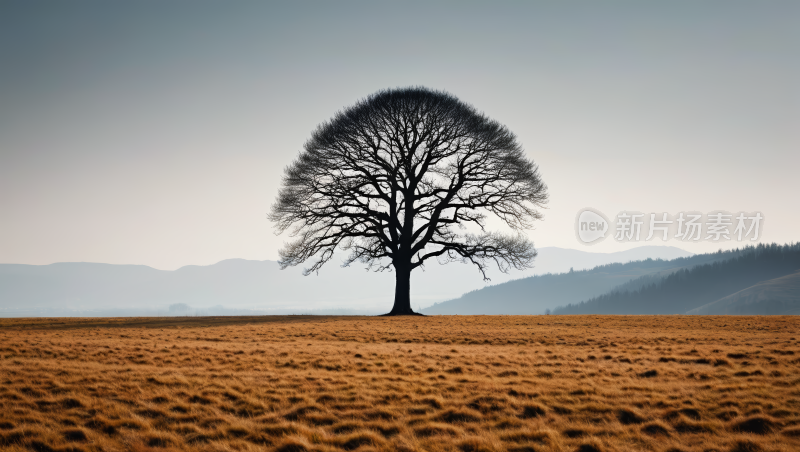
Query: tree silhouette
x: 401, y: 177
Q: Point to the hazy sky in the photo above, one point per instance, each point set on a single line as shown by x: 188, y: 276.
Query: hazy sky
x: 156, y: 133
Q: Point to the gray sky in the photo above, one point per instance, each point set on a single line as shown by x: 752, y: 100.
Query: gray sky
x: 156, y: 132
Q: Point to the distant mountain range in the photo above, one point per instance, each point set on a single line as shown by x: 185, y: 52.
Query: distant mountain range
x: 762, y: 280
x: 239, y: 286
x: 541, y: 293
x: 648, y: 280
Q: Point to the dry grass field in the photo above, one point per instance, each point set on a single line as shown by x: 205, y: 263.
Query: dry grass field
x: 510, y: 383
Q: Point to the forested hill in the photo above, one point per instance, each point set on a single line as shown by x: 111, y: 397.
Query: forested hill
x: 537, y: 294
x: 779, y: 296
x: 690, y: 288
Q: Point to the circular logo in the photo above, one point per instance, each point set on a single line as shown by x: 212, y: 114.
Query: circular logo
x: 591, y: 226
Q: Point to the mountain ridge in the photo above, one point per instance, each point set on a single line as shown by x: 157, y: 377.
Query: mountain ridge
x: 541, y: 293
x: 251, y: 284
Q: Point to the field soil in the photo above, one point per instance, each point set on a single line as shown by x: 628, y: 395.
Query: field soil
x: 459, y: 383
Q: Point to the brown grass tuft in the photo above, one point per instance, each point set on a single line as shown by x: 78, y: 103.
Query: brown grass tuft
x: 532, y: 411
x: 475, y: 445
x: 488, y: 404
x: 453, y: 416
x: 759, y: 425
x: 684, y: 425
x: 629, y: 417
x: 746, y: 446
x: 292, y: 445
x: 793, y: 432
x: 589, y: 448
x: 356, y: 440
x: 574, y: 433
x: 75, y: 434
x: 649, y: 373
x: 655, y: 428
x: 159, y: 439
x: 436, y: 430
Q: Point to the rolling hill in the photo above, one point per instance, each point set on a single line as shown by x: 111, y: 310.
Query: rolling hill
x: 775, y: 296
x: 690, y: 288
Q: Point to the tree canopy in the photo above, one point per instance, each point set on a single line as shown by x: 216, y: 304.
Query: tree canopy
x: 397, y: 178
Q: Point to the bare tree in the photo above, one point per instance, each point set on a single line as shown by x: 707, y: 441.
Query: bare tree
x: 396, y: 178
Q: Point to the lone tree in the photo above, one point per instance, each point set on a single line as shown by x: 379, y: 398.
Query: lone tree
x: 397, y: 178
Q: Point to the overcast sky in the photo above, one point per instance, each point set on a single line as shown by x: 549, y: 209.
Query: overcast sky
x: 156, y: 132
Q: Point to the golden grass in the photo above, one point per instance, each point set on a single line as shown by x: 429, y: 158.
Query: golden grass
x: 472, y: 383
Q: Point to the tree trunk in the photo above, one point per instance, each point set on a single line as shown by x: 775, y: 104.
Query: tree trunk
x: 402, y: 291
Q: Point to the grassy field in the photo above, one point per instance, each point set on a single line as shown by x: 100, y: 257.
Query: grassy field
x: 472, y: 383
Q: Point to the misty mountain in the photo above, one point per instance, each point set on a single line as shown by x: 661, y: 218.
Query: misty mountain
x: 537, y: 294
x: 711, y: 286
x: 238, y: 284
